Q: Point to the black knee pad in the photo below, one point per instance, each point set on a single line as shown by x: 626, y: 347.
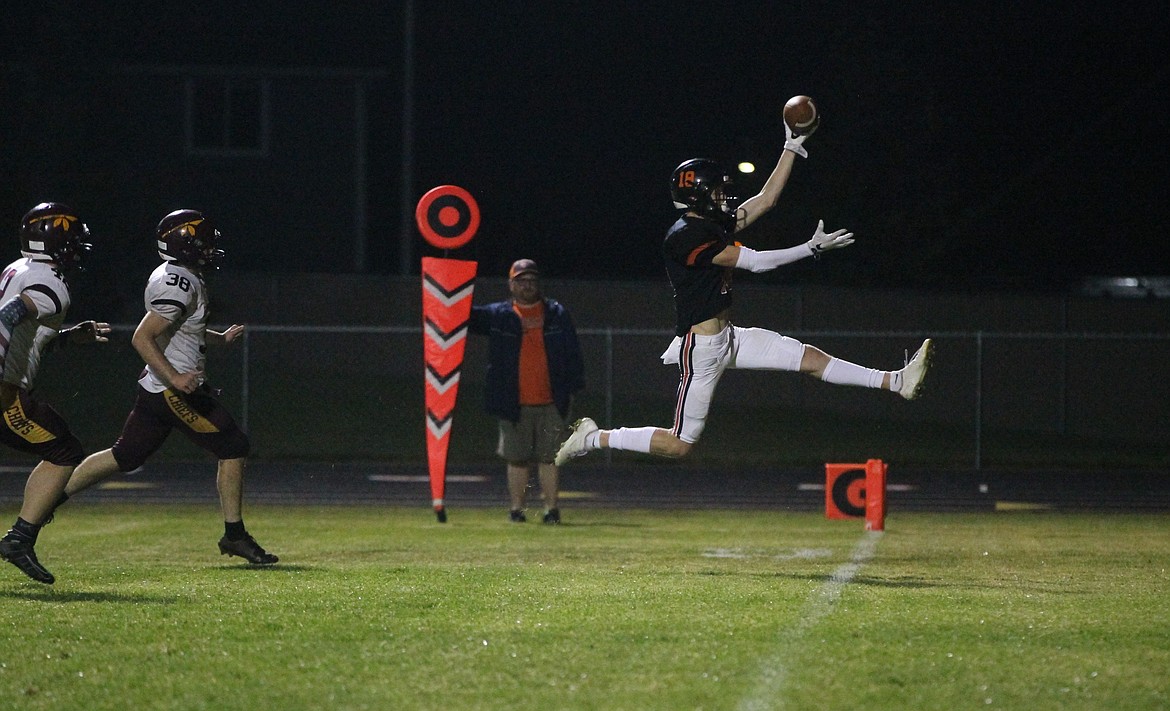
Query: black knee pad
x: 127, y: 458
x: 233, y: 445
x: 65, y: 452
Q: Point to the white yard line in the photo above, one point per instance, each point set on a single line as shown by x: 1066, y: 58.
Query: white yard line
x: 774, y: 669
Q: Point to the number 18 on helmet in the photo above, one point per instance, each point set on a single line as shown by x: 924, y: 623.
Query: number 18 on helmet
x: 704, y: 186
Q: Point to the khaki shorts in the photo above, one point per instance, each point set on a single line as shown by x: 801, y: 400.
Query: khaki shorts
x: 535, y: 438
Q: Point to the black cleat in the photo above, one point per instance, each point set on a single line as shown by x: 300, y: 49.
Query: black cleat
x: 18, y: 550
x: 248, y: 549
x: 517, y: 516
x: 552, y: 516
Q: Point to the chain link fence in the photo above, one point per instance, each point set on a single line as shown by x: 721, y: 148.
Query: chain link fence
x: 993, y: 399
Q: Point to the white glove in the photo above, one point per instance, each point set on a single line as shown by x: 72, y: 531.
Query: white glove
x: 794, y: 141
x: 821, y: 242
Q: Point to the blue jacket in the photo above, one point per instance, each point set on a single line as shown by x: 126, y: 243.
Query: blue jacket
x: 566, y: 369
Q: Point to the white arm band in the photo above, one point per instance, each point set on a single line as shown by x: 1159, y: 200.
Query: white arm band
x: 755, y: 261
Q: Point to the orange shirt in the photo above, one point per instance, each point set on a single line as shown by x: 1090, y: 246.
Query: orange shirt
x: 535, y: 388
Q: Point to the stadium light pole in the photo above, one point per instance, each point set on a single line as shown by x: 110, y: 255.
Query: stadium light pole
x: 361, y: 171
x: 407, y: 196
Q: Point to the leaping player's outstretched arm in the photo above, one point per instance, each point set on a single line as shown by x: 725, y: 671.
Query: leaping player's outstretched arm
x: 766, y: 199
x: 761, y: 202
x: 767, y: 260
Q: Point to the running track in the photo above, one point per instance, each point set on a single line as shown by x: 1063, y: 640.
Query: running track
x: 629, y: 485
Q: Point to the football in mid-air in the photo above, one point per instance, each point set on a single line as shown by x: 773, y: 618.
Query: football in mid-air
x: 800, y: 113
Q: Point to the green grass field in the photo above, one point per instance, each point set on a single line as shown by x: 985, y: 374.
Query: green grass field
x: 376, y: 608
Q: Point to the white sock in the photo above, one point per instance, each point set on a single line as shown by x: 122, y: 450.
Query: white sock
x: 842, y: 372
x: 631, y: 439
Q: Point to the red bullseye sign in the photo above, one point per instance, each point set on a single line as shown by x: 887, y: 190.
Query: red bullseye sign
x: 848, y: 492
x: 857, y: 490
x: 447, y: 216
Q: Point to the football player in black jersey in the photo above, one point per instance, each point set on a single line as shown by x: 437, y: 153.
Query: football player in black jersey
x: 700, y: 255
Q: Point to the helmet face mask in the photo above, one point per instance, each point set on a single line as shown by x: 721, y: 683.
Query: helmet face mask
x: 725, y: 199
x: 704, y: 187
x: 189, y: 238
x: 53, y: 231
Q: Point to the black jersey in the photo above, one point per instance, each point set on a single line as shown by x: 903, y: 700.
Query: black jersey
x: 702, y: 290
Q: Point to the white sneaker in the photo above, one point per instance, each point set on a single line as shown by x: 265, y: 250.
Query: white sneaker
x: 574, y: 446
x: 915, y: 371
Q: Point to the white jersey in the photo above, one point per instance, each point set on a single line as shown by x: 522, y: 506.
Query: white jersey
x: 180, y: 296
x: 45, y: 285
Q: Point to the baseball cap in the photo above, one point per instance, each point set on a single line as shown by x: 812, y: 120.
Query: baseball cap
x: 523, y: 266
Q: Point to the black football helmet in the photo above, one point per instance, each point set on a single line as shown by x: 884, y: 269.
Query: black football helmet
x: 704, y: 186
x: 54, y: 230
x: 189, y: 238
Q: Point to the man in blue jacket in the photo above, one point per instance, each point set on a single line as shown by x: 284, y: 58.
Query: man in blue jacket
x: 534, y: 368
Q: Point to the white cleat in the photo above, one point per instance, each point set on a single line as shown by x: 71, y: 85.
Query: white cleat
x: 915, y: 371
x: 574, y: 446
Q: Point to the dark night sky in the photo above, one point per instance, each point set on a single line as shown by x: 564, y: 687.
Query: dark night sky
x: 990, y: 145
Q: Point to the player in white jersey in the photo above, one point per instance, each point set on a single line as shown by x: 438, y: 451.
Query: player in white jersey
x: 172, y: 339
x: 34, y: 297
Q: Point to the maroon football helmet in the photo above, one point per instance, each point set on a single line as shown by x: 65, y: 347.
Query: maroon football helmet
x: 54, y: 230
x: 189, y: 238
